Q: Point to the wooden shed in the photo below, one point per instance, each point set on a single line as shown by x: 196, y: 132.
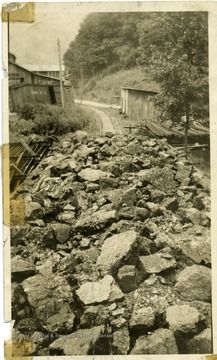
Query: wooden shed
x: 137, y: 104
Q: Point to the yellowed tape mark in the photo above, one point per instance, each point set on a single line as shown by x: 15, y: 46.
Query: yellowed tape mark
x: 210, y: 357
x: 14, y: 203
x: 18, y: 12
x: 20, y: 350
x: 6, y: 184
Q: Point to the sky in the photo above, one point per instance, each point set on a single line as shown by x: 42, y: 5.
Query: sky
x: 36, y: 43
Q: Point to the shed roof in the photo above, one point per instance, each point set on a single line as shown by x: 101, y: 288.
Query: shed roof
x: 43, y: 67
x: 31, y: 72
x: 142, y: 90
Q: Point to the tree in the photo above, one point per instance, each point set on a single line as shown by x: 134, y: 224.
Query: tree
x: 179, y: 63
x: 106, y: 42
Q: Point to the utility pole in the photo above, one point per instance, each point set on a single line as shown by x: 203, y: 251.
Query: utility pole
x: 61, y: 74
x: 82, y: 84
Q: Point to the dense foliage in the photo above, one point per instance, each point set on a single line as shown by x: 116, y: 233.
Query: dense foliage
x: 106, y: 42
x: 171, y: 48
x: 54, y: 120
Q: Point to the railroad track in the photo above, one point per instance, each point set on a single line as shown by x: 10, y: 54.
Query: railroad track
x: 105, y: 121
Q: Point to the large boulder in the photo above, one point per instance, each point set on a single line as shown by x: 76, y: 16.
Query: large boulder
x: 92, y: 175
x: 115, y: 249
x: 201, y: 343
x: 142, y: 319
x: 155, y: 263
x: 95, y: 221
x: 193, y: 244
x: 94, y: 315
x: 49, y: 296
x: 182, y: 318
x: 98, y: 292
x: 194, y: 283
x: 121, y: 341
x: 161, y: 341
x: 127, y: 278
x: 21, y: 268
x: 82, y: 342
x: 61, y: 231
x: 33, y: 210
x: 161, y: 178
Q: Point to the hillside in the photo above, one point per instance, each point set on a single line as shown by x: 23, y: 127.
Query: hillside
x: 108, y: 87
x: 133, y: 49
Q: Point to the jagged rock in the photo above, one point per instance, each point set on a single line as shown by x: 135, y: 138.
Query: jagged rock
x: 183, y: 172
x: 161, y: 179
x: 18, y: 233
x: 142, y: 319
x: 161, y: 341
x: 61, y: 231
x: 82, y: 342
x: 47, y: 295
x: 80, y: 135
x: 43, y: 236
x: 121, y: 341
x: 126, y: 212
x: 122, y: 246
x: 194, y: 283
x: 107, y: 183
x: 194, y: 244
x: 154, y: 209
x: 146, y: 246
x: 194, y: 215
x: 141, y: 213
x: 98, y: 292
x: 127, y: 278
x: 83, y: 151
x: 128, y: 197
x: 85, y: 243
x: 96, y: 220
x: 205, y: 310
x: 171, y: 203
x: 94, y: 316
x: 92, y: 175
x: 21, y: 268
x: 198, y: 203
x: 200, y: 180
x: 61, y: 322
x: 67, y: 217
x: 134, y: 148
x: 155, y: 263
x: 201, y: 343
x: 182, y: 318
x: 33, y: 210
x: 111, y: 167
x: 55, y: 188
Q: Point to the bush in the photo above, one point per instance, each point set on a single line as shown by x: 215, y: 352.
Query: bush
x: 53, y: 119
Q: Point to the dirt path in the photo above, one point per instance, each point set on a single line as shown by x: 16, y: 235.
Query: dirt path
x: 106, y: 122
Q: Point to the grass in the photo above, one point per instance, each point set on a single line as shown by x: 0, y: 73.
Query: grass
x: 51, y: 120
x: 104, y: 89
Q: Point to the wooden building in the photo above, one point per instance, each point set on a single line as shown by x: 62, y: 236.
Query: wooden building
x: 46, y: 70
x: 27, y: 87
x: 137, y: 104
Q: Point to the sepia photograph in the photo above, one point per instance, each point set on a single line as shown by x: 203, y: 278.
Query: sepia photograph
x: 107, y: 164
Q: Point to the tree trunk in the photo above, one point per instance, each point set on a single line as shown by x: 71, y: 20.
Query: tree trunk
x: 187, y: 114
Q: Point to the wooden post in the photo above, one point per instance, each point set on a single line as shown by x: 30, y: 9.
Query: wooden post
x: 82, y: 85
x: 61, y: 75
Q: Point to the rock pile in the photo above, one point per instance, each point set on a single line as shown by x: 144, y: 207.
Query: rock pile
x: 114, y: 257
